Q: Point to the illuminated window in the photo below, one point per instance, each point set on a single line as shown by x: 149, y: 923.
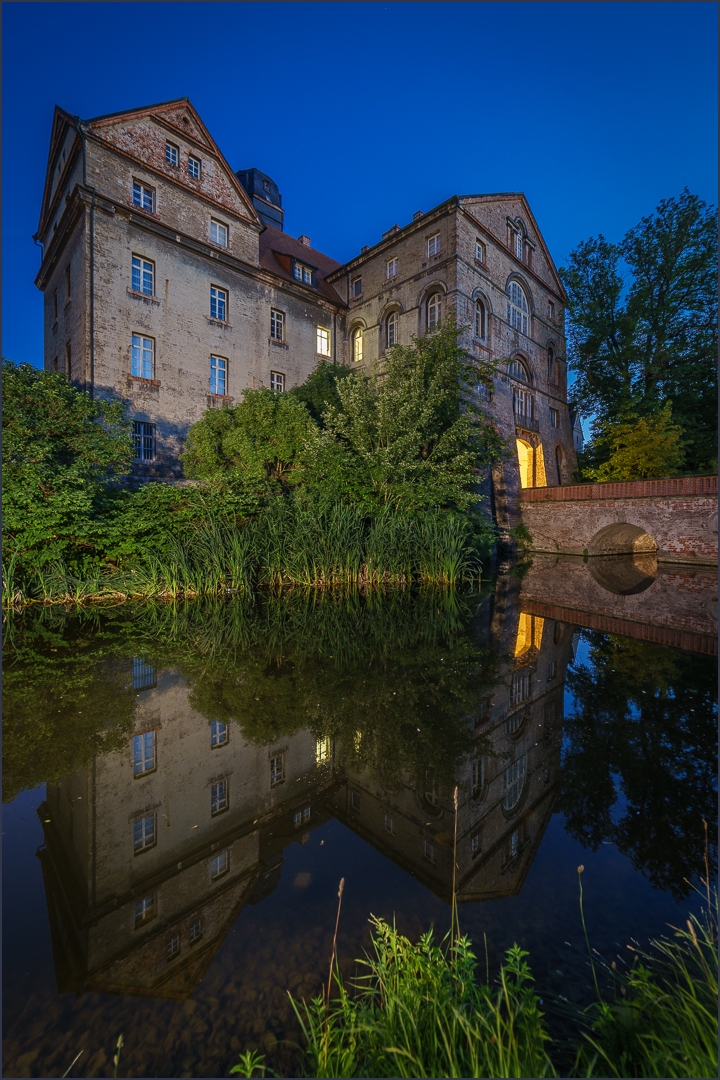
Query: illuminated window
x: 218, y: 303
x: 391, y: 268
x: 143, y: 441
x: 277, y: 325
x: 219, y: 865
x: 144, y: 833
x: 277, y: 769
x: 218, y: 233
x: 143, y: 196
x: 433, y: 245
x: 480, y: 251
x: 391, y: 329
x: 143, y: 357
x: 194, y: 168
x: 277, y: 381
x: 529, y: 634
x: 172, y: 154
x: 434, y: 311
x: 219, y: 734
x: 479, y: 319
x: 173, y: 947
x: 145, y: 910
x: 219, y: 797
x: 218, y: 375
x: 514, y: 783
x: 357, y: 345
x: 356, y: 287
x: 144, y: 753
x: 143, y: 275
x: 520, y: 688
x: 322, y: 339
x: 517, y: 307
x: 323, y: 750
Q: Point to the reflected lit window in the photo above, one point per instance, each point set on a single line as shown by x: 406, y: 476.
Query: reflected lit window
x: 142, y: 357
x: 218, y: 375
x: 529, y: 634
x: 145, y: 910
x: 144, y: 833
x: 514, y: 782
x: 323, y: 750
x: 144, y: 760
x: 143, y: 674
x: 173, y: 947
x: 301, y: 816
x: 277, y: 769
x: 196, y: 930
x: 219, y: 734
x: 219, y: 865
x: 219, y: 800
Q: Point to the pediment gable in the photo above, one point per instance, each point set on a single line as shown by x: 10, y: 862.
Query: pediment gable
x: 63, y: 122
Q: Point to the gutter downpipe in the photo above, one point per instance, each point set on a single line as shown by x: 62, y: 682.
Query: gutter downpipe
x: 81, y: 133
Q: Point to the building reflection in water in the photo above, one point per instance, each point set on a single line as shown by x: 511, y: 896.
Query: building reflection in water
x: 151, y: 854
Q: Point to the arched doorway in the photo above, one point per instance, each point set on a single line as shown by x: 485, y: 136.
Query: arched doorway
x: 526, y: 461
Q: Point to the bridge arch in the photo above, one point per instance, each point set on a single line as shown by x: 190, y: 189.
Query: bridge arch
x: 621, y: 538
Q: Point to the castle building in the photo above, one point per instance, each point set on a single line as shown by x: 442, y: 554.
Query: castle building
x: 169, y: 284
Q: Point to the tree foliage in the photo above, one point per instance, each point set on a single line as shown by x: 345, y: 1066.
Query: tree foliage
x: 643, y: 323
x: 638, y: 447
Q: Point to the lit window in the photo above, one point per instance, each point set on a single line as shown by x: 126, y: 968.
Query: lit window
x: 218, y: 375
x: 517, y: 307
x: 433, y: 245
x: 520, y: 689
x: 479, y: 319
x: 218, y: 304
x: 391, y: 328
x: 144, y: 753
x: 514, y: 782
x: 477, y: 780
x: 144, y: 833
x: 218, y: 233
x: 322, y: 341
x: 143, y: 441
x: 357, y: 287
x: 195, y: 931
x: 517, y: 369
x: 219, y: 865
x: 142, y: 196
x: 277, y: 769
x: 475, y: 845
x: 194, y: 168
x: 143, y: 274
x: 173, y: 947
x: 434, y: 311
x: 479, y: 251
x: 357, y: 345
x: 302, y: 273
x: 277, y: 325
x: 429, y: 851
x: 389, y: 824
x: 143, y: 674
x: 554, y: 418
x: 277, y: 381
x: 219, y: 797
x: 219, y: 734
x: 143, y: 361
x: 145, y: 910
x: 391, y: 268
x: 323, y: 750
x: 172, y: 154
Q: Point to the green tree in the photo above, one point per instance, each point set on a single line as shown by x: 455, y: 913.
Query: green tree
x: 320, y: 389
x: 60, y: 449
x: 643, y: 323
x: 639, y: 447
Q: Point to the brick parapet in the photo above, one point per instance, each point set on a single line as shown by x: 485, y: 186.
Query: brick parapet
x: 626, y: 489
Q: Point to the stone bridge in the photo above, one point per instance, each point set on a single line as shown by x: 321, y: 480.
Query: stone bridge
x: 673, y: 519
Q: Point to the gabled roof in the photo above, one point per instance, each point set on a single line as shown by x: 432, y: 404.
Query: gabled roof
x: 276, y: 251
x: 62, y: 120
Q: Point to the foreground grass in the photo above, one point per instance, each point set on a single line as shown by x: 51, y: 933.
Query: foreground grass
x: 421, y: 1011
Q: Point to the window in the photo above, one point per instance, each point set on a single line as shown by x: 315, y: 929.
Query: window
x: 433, y: 245
x: 480, y: 251
x: 142, y: 276
x: 323, y: 341
x: 517, y: 307
x: 479, y: 319
x: 195, y: 931
x: 266, y: 185
x: 303, y: 273
x: 219, y: 734
x: 391, y: 329
x: 551, y: 364
x: 323, y: 750
x: 300, y: 817
x: 356, y: 287
x: 143, y: 361
x: 55, y: 305
x: 354, y: 800
x: 67, y: 282
x: 277, y: 381
x: 552, y: 670
x: 551, y: 310
x: 389, y: 824
x: 218, y: 375
x: 514, y: 724
x: 144, y: 832
x: 517, y: 369
x: 554, y: 418
x: 357, y: 344
x: 519, y: 244
x: 477, y: 778
x: 523, y: 404
x: 434, y: 311
x: 485, y: 392
x: 277, y: 325
x: 218, y: 303
x: 429, y: 851
x: 143, y: 441
x: 277, y: 769
x: 145, y: 910
x: 391, y: 268
x: 194, y: 168
x: 143, y: 196
x: 55, y: 363
x: 172, y: 154
x: 219, y: 797
x: 144, y: 753
x: 514, y: 782
x: 475, y: 844
x: 520, y: 688
x: 173, y: 947
x: 218, y: 233
x: 219, y: 865
x: 143, y: 674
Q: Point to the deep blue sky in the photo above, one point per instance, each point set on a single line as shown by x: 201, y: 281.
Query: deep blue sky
x: 364, y: 113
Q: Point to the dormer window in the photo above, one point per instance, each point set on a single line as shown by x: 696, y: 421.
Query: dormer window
x: 357, y: 287
x: 172, y: 154
x: 303, y: 273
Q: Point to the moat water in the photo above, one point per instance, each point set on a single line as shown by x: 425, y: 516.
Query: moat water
x: 186, y: 785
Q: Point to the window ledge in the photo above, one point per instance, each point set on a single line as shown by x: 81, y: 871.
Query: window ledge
x: 216, y: 401
x: 324, y: 355
x: 353, y: 299
x: 143, y: 384
x: 278, y: 344
x: 146, y: 297
x: 142, y: 210
x: 482, y: 263
x: 218, y: 322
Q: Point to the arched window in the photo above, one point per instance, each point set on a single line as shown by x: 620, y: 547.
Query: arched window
x: 434, y: 311
x: 518, y: 370
x: 357, y: 344
x: 513, y: 783
x: 480, y: 320
x: 391, y: 329
x: 517, y: 307
x: 551, y: 365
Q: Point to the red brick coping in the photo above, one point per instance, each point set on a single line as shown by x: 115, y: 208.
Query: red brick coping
x: 626, y: 489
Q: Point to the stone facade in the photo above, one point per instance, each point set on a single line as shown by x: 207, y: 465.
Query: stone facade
x: 151, y: 184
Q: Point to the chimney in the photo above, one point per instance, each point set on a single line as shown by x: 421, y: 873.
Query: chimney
x: 364, y: 249
x: 417, y: 214
x: 305, y: 240
x: 393, y: 229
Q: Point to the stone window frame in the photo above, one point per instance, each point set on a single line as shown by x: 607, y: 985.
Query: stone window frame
x: 218, y: 227
x: 138, y: 359
x: 277, y: 324
x: 219, y: 372
x: 554, y: 417
x: 356, y: 338
x: 138, y: 196
x: 433, y: 245
x: 277, y: 382
x: 219, y: 303
x: 391, y: 268
x: 172, y: 154
x: 194, y: 161
x: 323, y: 338
x: 144, y: 441
x: 144, y: 269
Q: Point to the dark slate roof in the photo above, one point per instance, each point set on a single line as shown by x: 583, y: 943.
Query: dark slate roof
x: 276, y: 250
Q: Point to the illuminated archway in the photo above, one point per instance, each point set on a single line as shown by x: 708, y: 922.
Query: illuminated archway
x: 526, y: 461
